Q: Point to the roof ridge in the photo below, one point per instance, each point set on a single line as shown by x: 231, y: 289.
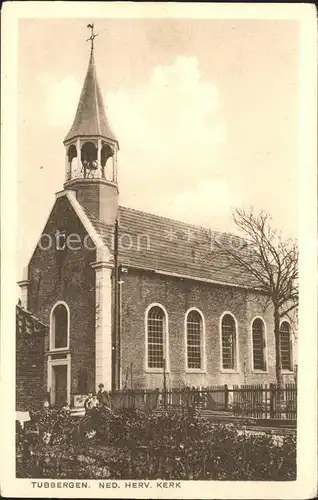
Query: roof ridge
x: 189, y: 224
x: 142, y: 212
x: 182, y: 256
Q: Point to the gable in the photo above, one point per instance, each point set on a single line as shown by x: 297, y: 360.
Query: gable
x: 68, y: 215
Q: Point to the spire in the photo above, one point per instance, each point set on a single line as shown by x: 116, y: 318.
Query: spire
x: 90, y: 119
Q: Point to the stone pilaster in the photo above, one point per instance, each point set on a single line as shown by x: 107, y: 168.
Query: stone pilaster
x: 103, y: 324
x: 24, y: 285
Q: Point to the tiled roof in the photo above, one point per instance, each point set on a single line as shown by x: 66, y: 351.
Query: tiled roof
x: 102, y: 229
x: 90, y: 118
x: 165, y: 245
x: 27, y: 323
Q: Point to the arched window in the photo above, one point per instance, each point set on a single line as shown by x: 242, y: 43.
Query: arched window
x: 156, y: 337
x: 228, y: 342
x: 285, y: 346
x: 194, y: 340
x: 88, y: 152
x: 59, y: 327
x: 89, y: 159
x: 107, y: 162
x: 71, y: 153
x: 258, y: 337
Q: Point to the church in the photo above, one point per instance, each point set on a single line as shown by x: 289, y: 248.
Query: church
x: 132, y: 299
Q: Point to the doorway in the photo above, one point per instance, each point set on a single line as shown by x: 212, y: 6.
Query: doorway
x: 59, y: 385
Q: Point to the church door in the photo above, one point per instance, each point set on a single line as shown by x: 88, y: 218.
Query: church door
x: 60, y: 379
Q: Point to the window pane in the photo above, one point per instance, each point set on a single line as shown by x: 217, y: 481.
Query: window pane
x: 156, y: 320
x: 60, y: 326
x: 285, y: 346
x: 258, y: 345
x: 194, y: 330
x: 228, y: 342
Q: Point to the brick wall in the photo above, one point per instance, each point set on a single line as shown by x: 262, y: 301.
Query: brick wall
x: 99, y: 197
x: 30, y: 340
x: 140, y: 289
x: 67, y: 275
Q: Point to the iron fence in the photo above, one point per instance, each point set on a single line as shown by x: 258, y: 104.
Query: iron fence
x: 256, y: 401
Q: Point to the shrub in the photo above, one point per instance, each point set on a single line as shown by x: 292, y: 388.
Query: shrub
x: 151, y: 445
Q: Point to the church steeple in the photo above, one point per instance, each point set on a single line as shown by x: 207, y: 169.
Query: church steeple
x: 91, y: 146
x: 90, y: 119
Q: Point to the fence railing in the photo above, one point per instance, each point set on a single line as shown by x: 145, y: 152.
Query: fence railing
x: 257, y: 401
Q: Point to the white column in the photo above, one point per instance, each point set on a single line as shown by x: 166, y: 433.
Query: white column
x: 67, y: 168
x: 78, y: 151
x: 103, y: 324
x: 24, y: 293
x: 115, y: 165
x: 99, y: 150
x: 99, y: 156
x: 24, y: 285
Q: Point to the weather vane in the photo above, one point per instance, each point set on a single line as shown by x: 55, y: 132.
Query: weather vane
x: 93, y: 35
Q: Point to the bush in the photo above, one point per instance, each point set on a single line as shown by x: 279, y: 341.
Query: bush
x: 134, y: 444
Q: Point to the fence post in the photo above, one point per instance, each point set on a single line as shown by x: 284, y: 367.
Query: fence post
x: 131, y: 375
x: 265, y: 401
x: 164, y: 384
x: 226, y: 396
x: 271, y: 400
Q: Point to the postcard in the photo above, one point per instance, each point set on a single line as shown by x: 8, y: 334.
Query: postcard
x: 159, y: 250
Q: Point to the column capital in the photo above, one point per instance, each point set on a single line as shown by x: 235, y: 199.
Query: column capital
x: 23, y: 283
x: 102, y: 264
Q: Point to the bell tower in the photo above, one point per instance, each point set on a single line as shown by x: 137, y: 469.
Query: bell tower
x: 91, y: 150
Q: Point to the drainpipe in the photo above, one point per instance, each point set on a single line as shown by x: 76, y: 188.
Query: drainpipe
x: 118, y: 336
x: 115, y: 317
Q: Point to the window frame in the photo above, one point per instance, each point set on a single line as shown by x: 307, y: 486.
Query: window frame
x: 202, y: 342
x: 52, y: 329
x: 165, y: 340
x: 236, y: 369
x: 291, y: 349
x: 265, y: 350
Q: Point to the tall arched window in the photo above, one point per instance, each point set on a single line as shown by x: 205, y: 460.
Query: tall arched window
x: 194, y: 329
x: 285, y: 346
x: 258, y: 336
x: 228, y: 342
x: 156, y: 337
x: 59, y: 326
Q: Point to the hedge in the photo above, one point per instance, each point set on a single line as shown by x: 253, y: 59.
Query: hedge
x: 133, y: 444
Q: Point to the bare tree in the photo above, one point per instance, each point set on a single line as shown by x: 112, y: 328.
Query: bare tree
x: 263, y: 258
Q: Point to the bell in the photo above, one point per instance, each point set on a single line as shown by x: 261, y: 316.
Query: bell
x: 93, y: 165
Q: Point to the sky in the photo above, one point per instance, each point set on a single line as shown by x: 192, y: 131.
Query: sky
x: 206, y: 113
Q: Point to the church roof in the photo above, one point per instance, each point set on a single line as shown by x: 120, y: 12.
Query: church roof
x: 163, y: 245
x: 27, y: 323
x: 90, y: 118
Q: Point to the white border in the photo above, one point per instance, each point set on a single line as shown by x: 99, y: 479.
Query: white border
x: 166, y: 340
x: 57, y: 362
x: 291, y: 340
x: 251, y: 347
x: 52, y: 334
x: 237, y: 368
x: 202, y: 340
x: 305, y: 14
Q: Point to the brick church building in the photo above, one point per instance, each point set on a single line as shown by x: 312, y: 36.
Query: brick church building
x: 129, y: 297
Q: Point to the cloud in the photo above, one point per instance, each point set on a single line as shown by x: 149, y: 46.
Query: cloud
x: 194, y: 204
x: 171, y: 135
x: 60, y: 100
x: 174, y: 110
